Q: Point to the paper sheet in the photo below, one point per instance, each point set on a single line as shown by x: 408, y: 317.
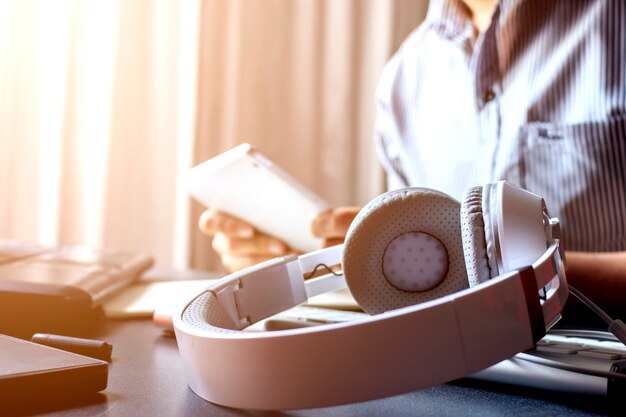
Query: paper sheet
x: 143, y: 298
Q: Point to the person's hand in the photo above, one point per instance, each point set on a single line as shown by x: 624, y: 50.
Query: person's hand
x: 332, y: 225
x: 239, y: 244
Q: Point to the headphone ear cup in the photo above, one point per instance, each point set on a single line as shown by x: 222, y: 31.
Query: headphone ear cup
x: 405, y: 248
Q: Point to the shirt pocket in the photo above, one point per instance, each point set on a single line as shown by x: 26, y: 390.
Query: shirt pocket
x: 580, y: 171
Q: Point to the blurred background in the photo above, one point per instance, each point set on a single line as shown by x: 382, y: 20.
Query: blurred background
x: 104, y: 103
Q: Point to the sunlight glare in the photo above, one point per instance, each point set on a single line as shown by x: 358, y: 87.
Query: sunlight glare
x: 54, y: 41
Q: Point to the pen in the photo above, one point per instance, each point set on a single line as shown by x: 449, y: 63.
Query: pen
x: 89, y: 347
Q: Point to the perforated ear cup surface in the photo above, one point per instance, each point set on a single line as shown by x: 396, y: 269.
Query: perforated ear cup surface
x: 473, y: 235
x: 205, y: 309
x: 379, y: 223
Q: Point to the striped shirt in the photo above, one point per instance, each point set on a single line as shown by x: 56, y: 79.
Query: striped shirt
x: 538, y: 98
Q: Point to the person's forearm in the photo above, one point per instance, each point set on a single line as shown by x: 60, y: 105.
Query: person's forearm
x: 601, y: 276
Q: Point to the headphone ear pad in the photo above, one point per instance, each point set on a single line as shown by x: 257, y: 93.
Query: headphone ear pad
x: 475, y: 222
x: 413, y: 213
x: 473, y: 235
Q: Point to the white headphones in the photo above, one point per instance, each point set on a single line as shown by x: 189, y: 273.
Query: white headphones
x: 450, y: 295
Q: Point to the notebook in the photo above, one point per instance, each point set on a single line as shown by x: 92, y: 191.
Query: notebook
x: 32, y: 371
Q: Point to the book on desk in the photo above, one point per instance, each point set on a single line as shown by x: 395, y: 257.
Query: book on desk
x: 60, y: 287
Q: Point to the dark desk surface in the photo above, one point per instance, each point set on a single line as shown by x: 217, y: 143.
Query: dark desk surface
x: 146, y: 379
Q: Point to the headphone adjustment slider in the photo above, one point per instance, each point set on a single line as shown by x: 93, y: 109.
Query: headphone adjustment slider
x: 554, y: 233
x: 262, y: 290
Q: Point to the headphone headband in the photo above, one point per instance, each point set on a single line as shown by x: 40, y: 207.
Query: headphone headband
x: 441, y: 340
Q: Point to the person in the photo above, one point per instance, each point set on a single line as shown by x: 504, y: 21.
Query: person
x: 533, y: 92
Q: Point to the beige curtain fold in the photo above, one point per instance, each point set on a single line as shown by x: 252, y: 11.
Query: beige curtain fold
x: 92, y: 134
x: 296, y: 78
x: 102, y: 104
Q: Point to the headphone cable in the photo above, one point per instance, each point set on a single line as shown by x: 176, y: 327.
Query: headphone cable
x: 527, y: 357
x: 616, y: 327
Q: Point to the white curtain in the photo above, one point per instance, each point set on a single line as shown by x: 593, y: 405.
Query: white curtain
x: 103, y: 103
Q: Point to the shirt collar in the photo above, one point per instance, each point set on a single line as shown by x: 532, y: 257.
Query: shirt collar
x: 451, y: 20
